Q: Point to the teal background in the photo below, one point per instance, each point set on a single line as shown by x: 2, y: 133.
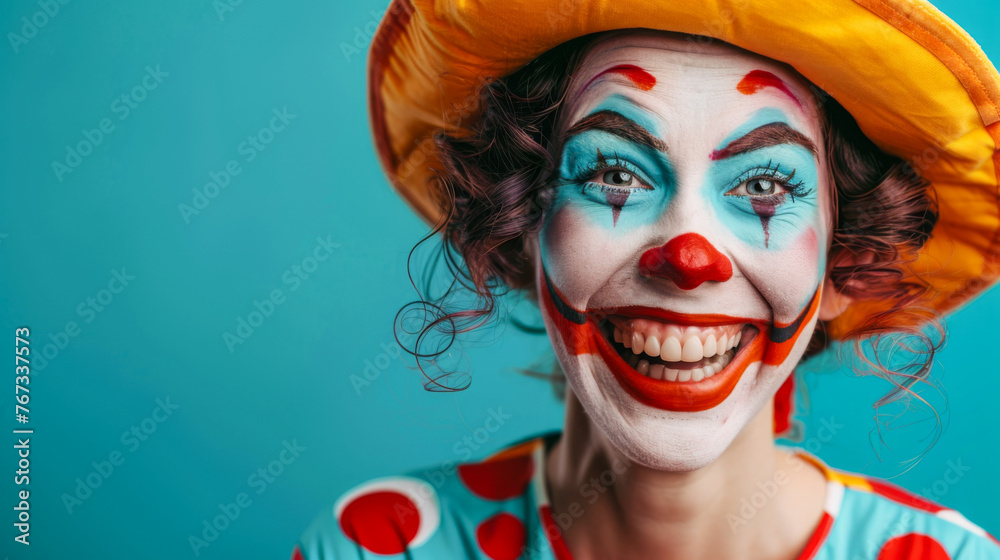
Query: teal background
x: 162, y: 336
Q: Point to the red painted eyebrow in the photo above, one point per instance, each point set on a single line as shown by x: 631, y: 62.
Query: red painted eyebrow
x: 639, y: 77
x: 757, y: 79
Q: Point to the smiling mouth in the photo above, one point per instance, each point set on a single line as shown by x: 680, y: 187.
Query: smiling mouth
x: 745, y: 341
x: 676, y: 352
x: 666, y: 359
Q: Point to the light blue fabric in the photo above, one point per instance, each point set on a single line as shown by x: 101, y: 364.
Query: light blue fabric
x: 863, y: 523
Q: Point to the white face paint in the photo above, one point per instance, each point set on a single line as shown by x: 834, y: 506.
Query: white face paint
x: 692, y: 214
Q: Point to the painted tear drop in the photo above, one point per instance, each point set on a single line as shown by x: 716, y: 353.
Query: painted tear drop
x: 616, y: 200
x: 765, y: 211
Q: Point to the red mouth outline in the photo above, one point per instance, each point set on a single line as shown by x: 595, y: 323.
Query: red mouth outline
x: 680, y: 396
x: 581, y: 335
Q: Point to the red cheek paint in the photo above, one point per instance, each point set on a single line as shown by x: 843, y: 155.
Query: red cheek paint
x: 757, y: 79
x: 689, y: 260
x: 810, y: 244
x: 642, y: 79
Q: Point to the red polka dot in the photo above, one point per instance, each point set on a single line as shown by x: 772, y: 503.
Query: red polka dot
x: 913, y: 546
x: 498, y: 480
x: 901, y: 496
x: 384, y: 522
x: 501, y: 537
x: 297, y: 554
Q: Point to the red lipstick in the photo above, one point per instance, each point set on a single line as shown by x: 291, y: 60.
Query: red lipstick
x: 762, y: 342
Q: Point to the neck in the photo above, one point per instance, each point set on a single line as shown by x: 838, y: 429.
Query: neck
x: 611, y: 507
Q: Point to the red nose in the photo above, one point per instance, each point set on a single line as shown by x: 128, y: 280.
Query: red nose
x: 688, y: 259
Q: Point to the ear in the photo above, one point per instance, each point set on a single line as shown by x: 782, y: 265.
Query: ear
x: 530, y: 244
x: 833, y: 303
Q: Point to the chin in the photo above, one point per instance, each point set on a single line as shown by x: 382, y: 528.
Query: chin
x: 664, y: 439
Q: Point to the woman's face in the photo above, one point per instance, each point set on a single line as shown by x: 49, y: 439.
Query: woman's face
x: 682, y: 258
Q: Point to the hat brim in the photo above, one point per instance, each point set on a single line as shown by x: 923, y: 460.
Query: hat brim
x: 918, y: 85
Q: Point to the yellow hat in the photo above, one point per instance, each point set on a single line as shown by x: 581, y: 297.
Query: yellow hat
x: 918, y: 85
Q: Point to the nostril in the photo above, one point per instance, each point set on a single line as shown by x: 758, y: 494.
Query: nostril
x: 688, y: 260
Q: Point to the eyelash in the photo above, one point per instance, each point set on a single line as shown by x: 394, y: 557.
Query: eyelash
x: 610, y: 163
x: 771, y: 173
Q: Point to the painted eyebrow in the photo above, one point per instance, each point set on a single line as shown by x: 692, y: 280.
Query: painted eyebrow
x: 771, y: 134
x: 638, y: 77
x: 615, y: 123
x: 758, y: 79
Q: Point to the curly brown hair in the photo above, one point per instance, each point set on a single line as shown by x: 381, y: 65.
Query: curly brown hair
x: 494, y: 185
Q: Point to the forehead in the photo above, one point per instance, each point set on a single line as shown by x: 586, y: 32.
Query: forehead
x: 679, y: 77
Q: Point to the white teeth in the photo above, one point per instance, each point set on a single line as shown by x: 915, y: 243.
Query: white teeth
x: 638, y: 340
x: 662, y: 372
x: 710, y: 347
x: 686, y: 346
x: 693, y: 350
x: 715, y: 353
x: 670, y: 351
x: 652, y: 346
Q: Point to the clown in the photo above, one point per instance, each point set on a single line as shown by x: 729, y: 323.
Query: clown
x: 695, y: 209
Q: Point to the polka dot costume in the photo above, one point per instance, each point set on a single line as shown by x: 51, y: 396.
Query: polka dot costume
x: 497, y: 509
